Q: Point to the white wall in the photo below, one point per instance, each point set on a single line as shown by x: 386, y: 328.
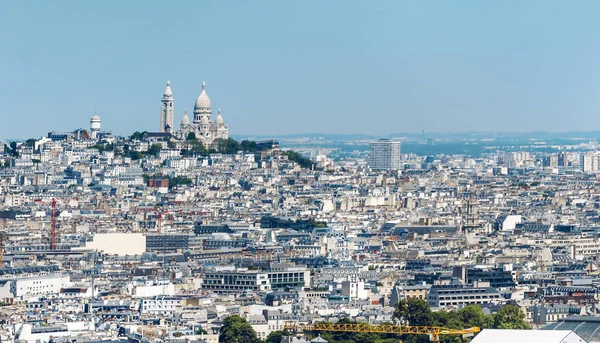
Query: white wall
x: 118, y: 243
x: 510, y: 222
x: 151, y: 291
x: 41, y: 285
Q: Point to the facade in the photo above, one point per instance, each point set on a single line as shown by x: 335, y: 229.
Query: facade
x: 118, y: 243
x: 590, y: 162
x: 234, y: 281
x: 548, y: 313
x: 498, y: 277
x: 285, y: 275
x: 167, y: 242
x: 517, y: 159
x: 159, y: 305
x: 201, y: 126
x: 406, y: 292
x: 35, y: 286
x: 461, y: 295
x: 385, y: 155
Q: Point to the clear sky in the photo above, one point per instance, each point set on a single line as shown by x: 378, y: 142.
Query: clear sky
x: 280, y: 67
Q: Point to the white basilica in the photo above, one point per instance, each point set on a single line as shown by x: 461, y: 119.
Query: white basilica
x: 205, y: 130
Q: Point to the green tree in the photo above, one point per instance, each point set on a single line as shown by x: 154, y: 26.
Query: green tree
x: 171, y: 144
x: 135, y: 155
x: 276, y: 336
x: 136, y: 136
x: 179, y: 180
x: 413, y: 312
x: 11, y: 149
x: 99, y: 147
x: 154, y: 149
x: 236, y: 329
x: 30, y: 142
x: 364, y: 337
x: 472, y: 315
x: 191, y: 136
x: 226, y: 146
x: 294, y: 156
x: 177, y: 334
x: 196, y: 148
x: 249, y: 146
x: 510, y: 317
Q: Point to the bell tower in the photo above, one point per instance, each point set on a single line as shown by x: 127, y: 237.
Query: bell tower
x: 166, y: 110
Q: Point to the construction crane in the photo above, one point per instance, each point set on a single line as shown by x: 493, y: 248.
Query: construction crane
x: 434, y: 332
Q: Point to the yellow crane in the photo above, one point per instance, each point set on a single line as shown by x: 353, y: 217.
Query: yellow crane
x: 434, y: 332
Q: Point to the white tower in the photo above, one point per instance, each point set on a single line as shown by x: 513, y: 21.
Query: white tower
x: 166, y: 110
x: 95, y: 125
x: 202, y: 108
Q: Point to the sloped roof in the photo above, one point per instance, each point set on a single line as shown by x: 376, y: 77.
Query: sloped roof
x: 529, y: 336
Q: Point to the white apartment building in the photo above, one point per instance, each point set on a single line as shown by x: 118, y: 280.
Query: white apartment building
x: 516, y: 159
x: 385, y: 155
x: 590, y: 162
x: 233, y: 281
x: 181, y: 163
x: 462, y: 295
x: 580, y: 246
x: 159, y: 305
x: 36, y: 286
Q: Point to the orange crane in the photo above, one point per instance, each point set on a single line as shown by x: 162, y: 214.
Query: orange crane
x: 434, y: 332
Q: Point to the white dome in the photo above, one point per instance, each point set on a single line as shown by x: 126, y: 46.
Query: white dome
x: 203, y: 100
x: 219, y: 119
x: 185, y: 120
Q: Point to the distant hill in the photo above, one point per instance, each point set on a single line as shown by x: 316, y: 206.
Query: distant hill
x: 412, y: 136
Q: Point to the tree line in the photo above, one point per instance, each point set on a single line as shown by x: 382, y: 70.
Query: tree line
x: 413, y: 312
x: 192, y: 146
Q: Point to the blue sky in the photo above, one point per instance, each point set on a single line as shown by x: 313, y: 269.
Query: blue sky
x: 280, y: 67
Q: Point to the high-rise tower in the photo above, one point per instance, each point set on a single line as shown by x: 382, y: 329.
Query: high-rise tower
x: 166, y: 110
x: 95, y: 125
x: 385, y: 155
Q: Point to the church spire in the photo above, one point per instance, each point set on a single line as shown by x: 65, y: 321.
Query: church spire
x: 203, y: 85
x: 166, y: 110
x: 168, y: 91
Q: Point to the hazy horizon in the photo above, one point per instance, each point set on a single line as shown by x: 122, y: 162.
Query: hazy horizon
x: 284, y: 68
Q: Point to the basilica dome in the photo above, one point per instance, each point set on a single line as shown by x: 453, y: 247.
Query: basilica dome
x: 203, y: 100
x: 219, y: 119
x: 185, y: 120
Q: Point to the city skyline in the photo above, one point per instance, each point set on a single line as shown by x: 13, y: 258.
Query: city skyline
x: 299, y: 172
x: 333, y: 68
